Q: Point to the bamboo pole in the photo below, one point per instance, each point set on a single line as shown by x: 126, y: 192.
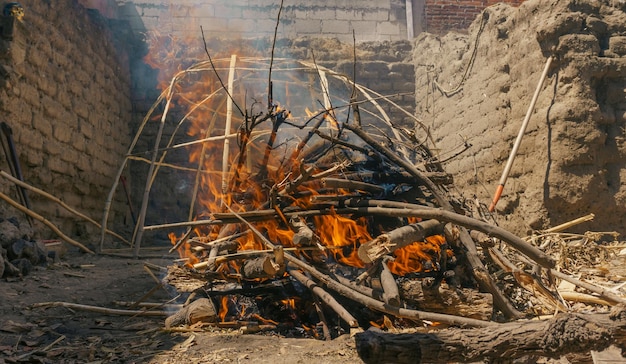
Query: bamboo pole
x: 569, y: 224
x: 57, y: 200
x: 139, y: 227
x: 107, y: 204
x: 520, y: 135
x: 40, y: 218
x: 603, y: 292
x: 103, y: 310
x: 227, y: 127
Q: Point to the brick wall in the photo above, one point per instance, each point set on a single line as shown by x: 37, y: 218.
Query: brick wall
x: 65, y: 94
x: 444, y: 15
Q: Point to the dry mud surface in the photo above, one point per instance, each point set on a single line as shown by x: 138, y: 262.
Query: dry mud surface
x: 26, y: 333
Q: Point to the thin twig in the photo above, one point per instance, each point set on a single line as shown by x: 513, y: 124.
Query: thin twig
x: 206, y: 50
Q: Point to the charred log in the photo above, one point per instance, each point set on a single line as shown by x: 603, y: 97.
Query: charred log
x: 561, y: 335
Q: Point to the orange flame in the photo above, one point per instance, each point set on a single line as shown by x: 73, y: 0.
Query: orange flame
x: 224, y: 308
x: 184, y: 250
x: 263, y: 320
x: 339, y: 231
x: 411, y: 258
x: 289, y: 303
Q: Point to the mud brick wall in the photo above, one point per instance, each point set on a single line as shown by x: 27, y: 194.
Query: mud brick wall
x: 444, y: 15
x: 571, y: 161
x: 65, y: 93
x: 370, y: 19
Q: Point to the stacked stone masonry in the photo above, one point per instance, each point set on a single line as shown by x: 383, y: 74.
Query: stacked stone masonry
x: 65, y: 94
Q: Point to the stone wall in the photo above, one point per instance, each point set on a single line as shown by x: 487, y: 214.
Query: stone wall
x: 65, y: 94
x: 371, y: 20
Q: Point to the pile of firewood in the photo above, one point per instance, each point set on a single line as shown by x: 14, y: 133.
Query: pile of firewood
x: 332, y: 223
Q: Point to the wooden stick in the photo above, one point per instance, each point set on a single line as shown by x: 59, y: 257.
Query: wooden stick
x: 395, y: 239
x: 168, y: 306
x: 57, y: 200
x: 50, y: 225
x: 351, y: 185
x: 246, y: 254
x: 391, y: 295
x: 520, y: 135
x: 604, y: 293
x: 399, y: 177
x: 584, y: 298
x: 227, y: 127
x: 104, y: 310
x: 569, y: 224
x: 326, y: 298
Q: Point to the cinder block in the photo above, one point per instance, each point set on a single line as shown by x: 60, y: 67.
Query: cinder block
x: 335, y: 27
x: 375, y: 14
x: 388, y: 28
x: 363, y: 28
x: 227, y: 11
x: 324, y: 14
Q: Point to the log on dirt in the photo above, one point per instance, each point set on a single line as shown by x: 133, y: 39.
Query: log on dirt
x: 200, y: 310
x: 558, y: 336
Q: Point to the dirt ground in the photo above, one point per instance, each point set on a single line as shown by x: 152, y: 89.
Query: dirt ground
x: 64, y: 335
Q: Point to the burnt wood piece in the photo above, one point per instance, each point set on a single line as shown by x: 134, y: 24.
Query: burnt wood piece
x: 200, y: 310
x: 410, y: 168
x: 399, y: 177
x: 391, y: 296
x: 553, y: 338
x: 351, y: 185
x: 442, y: 298
x: 328, y: 299
x: 303, y: 234
x: 398, y: 238
x: 261, y: 267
